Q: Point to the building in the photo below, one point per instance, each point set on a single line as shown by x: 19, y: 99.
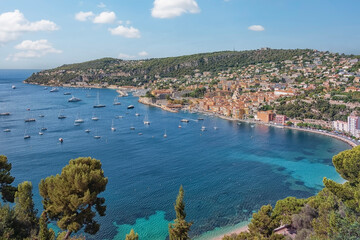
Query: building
x: 265, y: 116
x: 353, y: 124
x: 340, y: 126
x: 280, y: 119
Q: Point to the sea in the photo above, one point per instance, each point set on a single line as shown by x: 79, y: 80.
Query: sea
x: 228, y: 171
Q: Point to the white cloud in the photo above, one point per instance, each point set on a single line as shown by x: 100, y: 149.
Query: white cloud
x: 14, y: 24
x: 105, y: 17
x: 101, y: 5
x: 257, y: 28
x: 84, y: 16
x: 128, y: 32
x: 143, y: 54
x: 125, y: 56
x: 173, y: 8
x: 32, y: 49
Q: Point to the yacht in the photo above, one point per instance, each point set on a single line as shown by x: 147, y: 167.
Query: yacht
x: 67, y: 93
x: 74, y: 99
x: 116, y: 101
x: 5, y: 114
x: 54, y: 90
x: 79, y: 120
x: 7, y: 130
x: 130, y: 107
x: 112, y: 126
x: 30, y: 120
x: 184, y: 120
x: 98, y: 105
x: 87, y: 131
x: 13, y: 87
x: 94, y: 118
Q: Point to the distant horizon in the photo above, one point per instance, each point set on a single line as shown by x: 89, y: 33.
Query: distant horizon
x: 175, y: 56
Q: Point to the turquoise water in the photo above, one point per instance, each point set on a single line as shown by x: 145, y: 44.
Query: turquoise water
x: 227, y: 173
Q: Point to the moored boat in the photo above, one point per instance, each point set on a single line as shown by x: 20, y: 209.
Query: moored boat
x: 130, y: 107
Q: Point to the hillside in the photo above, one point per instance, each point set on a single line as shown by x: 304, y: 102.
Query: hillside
x: 139, y: 72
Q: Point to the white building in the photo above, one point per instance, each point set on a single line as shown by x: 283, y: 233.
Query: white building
x: 340, y: 126
x: 353, y: 124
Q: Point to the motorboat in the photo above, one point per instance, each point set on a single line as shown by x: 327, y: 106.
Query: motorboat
x: 30, y: 120
x: 184, y: 120
x: 67, y: 93
x: 74, y: 99
x: 5, y: 114
x: 7, y: 130
x: 130, y: 107
x: 54, y: 90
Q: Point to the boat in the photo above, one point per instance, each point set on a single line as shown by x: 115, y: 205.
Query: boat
x: 94, y: 118
x: 61, y: 117
x: 146, y: 121
x: 79, y: 120
x: 5, y: 114
x: 26, y: 136
x: 41, y: 115
x: 67, y: 93
x: 45, y: 88
x: 41, y: 133
x: 87, y: 131
x: 200, y: 119
x: 140, y: 134
x: 239, y: 123
x: 116, y: 101
x: 203, y: 128
x: 61, y: 140
x: 184, y: 120
x: 132, y: 128
x: 13, y: 87
x: 30, y: 120
x: 7, y: 130
x: 119, y: 117
x: 130, y: 107
x: 74, y: 99
x: 54, y: 90
x: 97, y: 137
x: 252, y: 126
x: 137, y: 114
x: 43, y: 129
x: 98, y: 105
x: 216, y: 128
x: 165, y: 135
x: 112, y: 126
x: 179, y: 126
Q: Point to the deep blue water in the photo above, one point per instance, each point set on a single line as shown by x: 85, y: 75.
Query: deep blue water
x: 227, y: 173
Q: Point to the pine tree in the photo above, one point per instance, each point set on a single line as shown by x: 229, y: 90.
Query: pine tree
x: 25, y: 213
x: 132, y: 235
x: 7, y: 191
x: 71, y: 198
x: 180, y: 228
x: 44, y: 232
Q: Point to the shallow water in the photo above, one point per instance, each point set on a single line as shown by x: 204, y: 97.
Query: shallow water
x: 227, y: 173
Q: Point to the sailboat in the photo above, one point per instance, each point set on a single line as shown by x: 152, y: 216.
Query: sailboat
x: 26, y: 136
x: 61, y: 116
x: 203, y: 128
x: 94, y: 118
x: 97, y: 136
x: 146, y: 121
x: 78, y: 119
x: 165, y: 135
x: 98, y: 105
x: 116, y: 101
x: 112, y: 126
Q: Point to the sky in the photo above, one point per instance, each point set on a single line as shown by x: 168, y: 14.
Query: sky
x: 41, y: 34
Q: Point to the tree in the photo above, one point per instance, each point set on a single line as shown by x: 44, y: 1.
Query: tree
x: 7, y: 191
x: 285, y: 208
x: 6, y: 222
x: 262, y: 222
x: 132, y: 235
x: 70, y: 198
x: 44, y: 232
x: 180, y: 228
x: 25, y: 213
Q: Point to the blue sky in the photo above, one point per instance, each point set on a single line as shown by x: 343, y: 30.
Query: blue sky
x: 45, y: 34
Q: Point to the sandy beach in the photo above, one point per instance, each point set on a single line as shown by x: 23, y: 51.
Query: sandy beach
x: 236, y: 231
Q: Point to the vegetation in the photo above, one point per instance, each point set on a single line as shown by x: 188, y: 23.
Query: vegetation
x: 140, y: 72
x: 7, y: 191
x: 334, y: 213
x: 180, y: 228
x: 132, y: 235
x: 69, y: 198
